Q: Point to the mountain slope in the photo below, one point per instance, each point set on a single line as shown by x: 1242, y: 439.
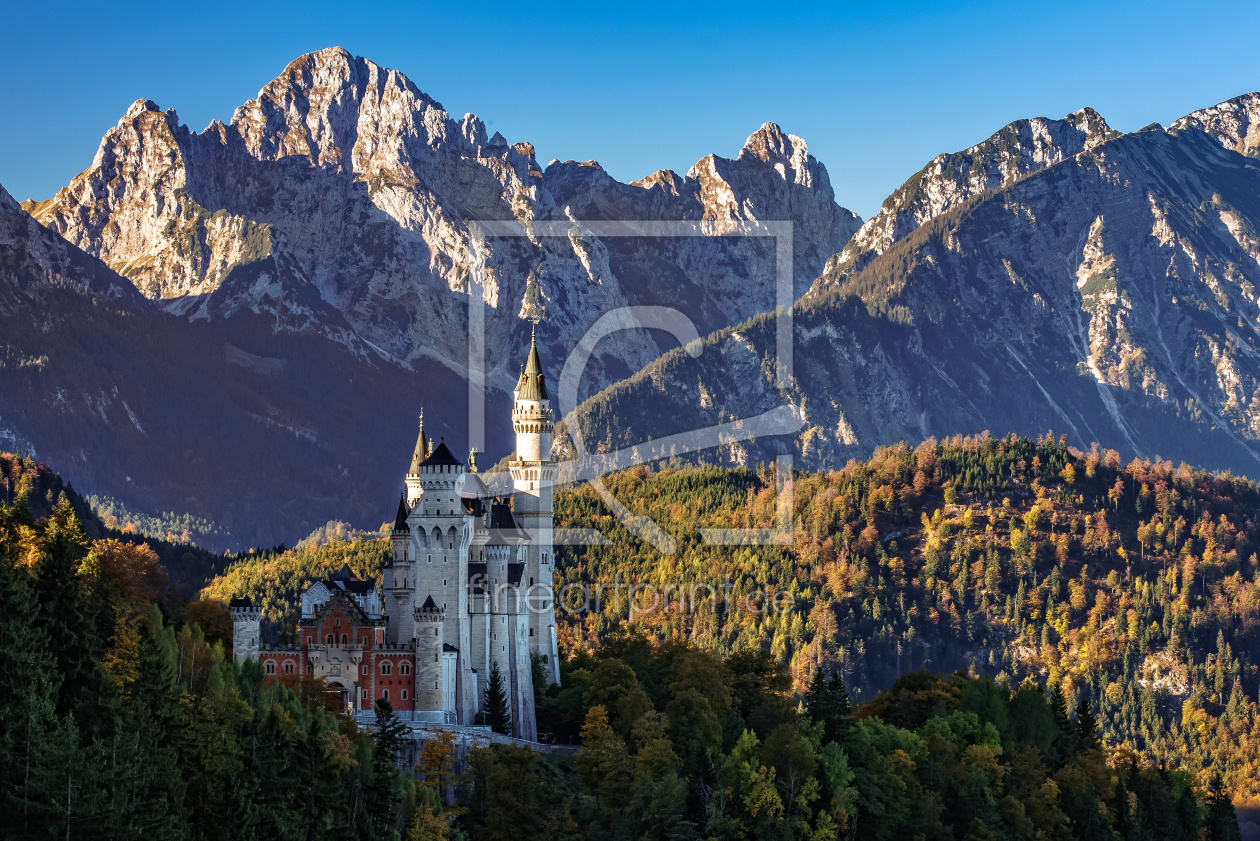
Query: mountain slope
x: 1015, y: 151
x: 165, y: 415
x: 1111, y: 296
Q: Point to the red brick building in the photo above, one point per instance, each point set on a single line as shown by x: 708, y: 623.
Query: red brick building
x: 342, y: 639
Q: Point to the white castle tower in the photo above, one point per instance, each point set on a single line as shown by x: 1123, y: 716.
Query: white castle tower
x: 533, y: 474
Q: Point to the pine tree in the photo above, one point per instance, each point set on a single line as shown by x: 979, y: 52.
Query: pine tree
x: 68, y: 616
x: 1069, y: 736
x: 827, y: 702
x: 1221, y: 819
x: 384, y: 791
x: 1086, y: 726
x: 498, y: 711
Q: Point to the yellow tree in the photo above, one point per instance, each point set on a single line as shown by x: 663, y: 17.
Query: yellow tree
x: 437, y: 761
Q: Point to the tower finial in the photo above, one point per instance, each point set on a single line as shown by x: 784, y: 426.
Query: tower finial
x: 422, y: 447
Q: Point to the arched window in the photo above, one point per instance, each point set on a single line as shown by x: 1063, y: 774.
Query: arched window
x: 386, y: 668
x: 365, y: 668
x: 310, y: 669
x: 330, y: 640
x: 404, y: 695
x: 531, y: 632
x: 288, y: 668
x: 404, y: 669
x: 344, y: 639
x: 451, y: 536
x: 437, y: 538
x: 271, y: 668
x: 423, y: 538
x: 385, y: 694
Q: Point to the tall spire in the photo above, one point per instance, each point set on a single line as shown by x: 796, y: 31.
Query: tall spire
x: 422, y: 448
x: 533, y: 385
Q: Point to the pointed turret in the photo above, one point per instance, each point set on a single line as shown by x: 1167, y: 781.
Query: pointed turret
x: 400, y: 520
x: 422, y: 448
x: 532, y: 385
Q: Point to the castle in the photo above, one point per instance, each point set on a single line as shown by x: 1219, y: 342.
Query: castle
x: 468, y: 586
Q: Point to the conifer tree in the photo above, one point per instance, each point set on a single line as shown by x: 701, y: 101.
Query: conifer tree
x: 1221, y: 819
x: 385, y: 790
x: 68, y: 616
x: 498, y: 712
x: 827, y: 702
x: 1086, y: 726
x: 1068, y: 734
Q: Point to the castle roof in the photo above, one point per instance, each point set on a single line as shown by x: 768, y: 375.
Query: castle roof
x: 245, y: 602
x: 532, y: 384
x: 345, y: 580
x: 501, y: 516
x: 471, y: 487
x: 422, y: 448
x: 429, y: 604
x: 400, y: 521
x: 441, y: 457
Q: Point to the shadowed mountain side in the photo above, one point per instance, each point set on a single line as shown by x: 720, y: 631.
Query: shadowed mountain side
x: 267, y: 434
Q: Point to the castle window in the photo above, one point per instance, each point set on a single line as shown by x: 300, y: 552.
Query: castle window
x: 404, y: 695
x: 443, y: 582
x: 404, y: 669
x: 288, y: 668
x: 531, y: 581
x: 365, y: 668
x: 310, y: 669
x: 435, y: 630
x: 271, y: 668
x: 385, y: 668
x: 531, y: 632
x: 309, y: 640
x: 444, y: 605
x: 435, y: 686
x: 330, y: 639
x: 385, y: 694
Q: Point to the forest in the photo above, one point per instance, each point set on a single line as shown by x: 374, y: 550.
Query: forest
x: 982, y: 638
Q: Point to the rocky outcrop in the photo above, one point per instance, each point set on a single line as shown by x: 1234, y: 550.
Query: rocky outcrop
x: 33, y: 260
x: 1235, y: 124
x: 1014, y: 152
x: 1111, y: 296
x: 338, y: 203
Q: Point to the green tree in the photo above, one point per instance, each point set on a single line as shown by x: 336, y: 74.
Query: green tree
x: 497, y: 710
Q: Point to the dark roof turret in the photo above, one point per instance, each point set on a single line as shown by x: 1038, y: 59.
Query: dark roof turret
x: 400, y: 521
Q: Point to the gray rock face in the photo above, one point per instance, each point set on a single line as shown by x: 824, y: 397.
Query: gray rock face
x: 1235, y: 124
x: 1014, y: 152
x: 1111, y: 296
x: 336, y: 203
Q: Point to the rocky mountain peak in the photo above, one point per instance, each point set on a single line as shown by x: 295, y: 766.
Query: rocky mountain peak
x: 1234, y: 123
x: 950, y: 179
x: 787, y: 153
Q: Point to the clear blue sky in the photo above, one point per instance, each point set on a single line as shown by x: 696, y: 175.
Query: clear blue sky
x: 877, y: 89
